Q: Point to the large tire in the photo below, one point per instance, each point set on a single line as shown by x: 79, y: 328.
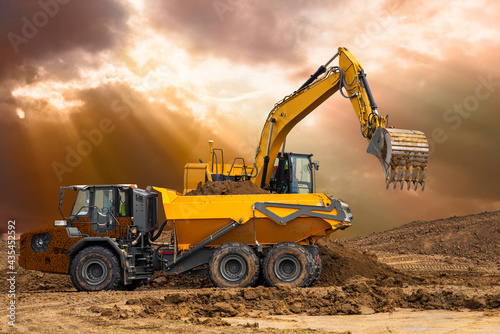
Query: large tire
x: 317, y: 266
x: 288, y: 263
x: 95, y: 268
x: 234, y: 265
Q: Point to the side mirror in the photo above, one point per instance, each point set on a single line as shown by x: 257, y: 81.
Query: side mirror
x: 316, y: 165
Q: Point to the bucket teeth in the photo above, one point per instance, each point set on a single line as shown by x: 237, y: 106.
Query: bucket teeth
x: 403, y: 155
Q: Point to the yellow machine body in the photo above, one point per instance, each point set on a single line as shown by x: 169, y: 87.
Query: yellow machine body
x: 193, y: 218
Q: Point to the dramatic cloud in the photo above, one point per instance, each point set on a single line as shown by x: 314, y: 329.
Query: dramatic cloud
x: 129, y: 91
x: 242, y: 31
x: 35, y: 32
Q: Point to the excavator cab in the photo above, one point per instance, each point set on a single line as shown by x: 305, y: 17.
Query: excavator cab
x: 293, y: 173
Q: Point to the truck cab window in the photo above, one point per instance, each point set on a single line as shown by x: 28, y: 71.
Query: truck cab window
x: 81, y: 205
x: 104, y: 200
x: 123, y: 205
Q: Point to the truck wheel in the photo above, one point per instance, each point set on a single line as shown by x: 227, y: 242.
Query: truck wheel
x: 288, y: 263
x: 234, y: 265
x: 317, y: 266
x: 95, y: 268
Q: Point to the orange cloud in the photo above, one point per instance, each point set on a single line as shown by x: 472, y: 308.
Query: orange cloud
x: 128, y: 92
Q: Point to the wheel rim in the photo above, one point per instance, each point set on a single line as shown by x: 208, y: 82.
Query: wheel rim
x: 95, y: 272
x: 233, y: 268
x: 287, y: 268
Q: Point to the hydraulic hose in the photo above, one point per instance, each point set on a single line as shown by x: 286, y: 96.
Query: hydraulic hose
x: 136, y: 241
x: 153, y: 238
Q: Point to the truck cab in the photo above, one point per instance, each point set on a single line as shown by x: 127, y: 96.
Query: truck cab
x: 105, y: 205
x: 107, y: 224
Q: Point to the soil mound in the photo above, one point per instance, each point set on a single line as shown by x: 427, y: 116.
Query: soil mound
x: 227, y: 187
x: 475, y: 237
x: 340, y: 264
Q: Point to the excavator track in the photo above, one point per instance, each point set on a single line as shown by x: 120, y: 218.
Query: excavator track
x: 403, y: 155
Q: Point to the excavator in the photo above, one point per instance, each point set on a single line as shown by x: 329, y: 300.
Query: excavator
x: 403, y: 154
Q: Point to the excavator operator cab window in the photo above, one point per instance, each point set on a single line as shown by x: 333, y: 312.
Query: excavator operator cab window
x: 279, y: 178
x: 301, y: 177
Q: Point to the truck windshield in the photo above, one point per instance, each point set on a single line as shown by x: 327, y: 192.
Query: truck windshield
x: 80, y: 208
x: 301, y: 178
x: 104, y: 200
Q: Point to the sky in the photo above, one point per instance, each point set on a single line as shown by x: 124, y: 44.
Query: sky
x: 124, y: 91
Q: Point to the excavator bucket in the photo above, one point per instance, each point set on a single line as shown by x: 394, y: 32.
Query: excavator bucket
x: 403, y: 155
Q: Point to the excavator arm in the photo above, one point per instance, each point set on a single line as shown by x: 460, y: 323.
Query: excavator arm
x: 402, y: 153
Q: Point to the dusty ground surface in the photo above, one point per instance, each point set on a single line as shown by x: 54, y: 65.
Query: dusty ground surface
x: 438, y: 277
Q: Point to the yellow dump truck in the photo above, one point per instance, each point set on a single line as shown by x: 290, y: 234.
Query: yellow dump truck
x: 110, y: 240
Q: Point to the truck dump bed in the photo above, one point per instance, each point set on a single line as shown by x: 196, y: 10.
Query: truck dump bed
x: 263, y: 219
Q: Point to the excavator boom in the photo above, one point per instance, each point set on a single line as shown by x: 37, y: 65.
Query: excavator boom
x: 402, y: 153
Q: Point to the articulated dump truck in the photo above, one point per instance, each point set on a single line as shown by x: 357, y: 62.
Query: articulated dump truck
x: 111, y: 240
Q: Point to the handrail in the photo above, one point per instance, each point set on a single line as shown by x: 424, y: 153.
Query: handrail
x: 244, y: 168
x: 216, y: 164
x: 107, y: 226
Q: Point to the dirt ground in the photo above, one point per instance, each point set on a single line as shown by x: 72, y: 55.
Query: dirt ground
x: 434, y: 277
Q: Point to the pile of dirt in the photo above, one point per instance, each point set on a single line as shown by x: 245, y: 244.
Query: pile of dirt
x: 177, y: 281
x: 357, y: 296
x: 475, y: 237
x: 340, y: 264
x: 32, y: 280
x: 227, y: 187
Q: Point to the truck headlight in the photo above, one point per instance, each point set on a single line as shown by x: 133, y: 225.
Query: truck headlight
x: 60, y: 223
x: 39, y: 242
